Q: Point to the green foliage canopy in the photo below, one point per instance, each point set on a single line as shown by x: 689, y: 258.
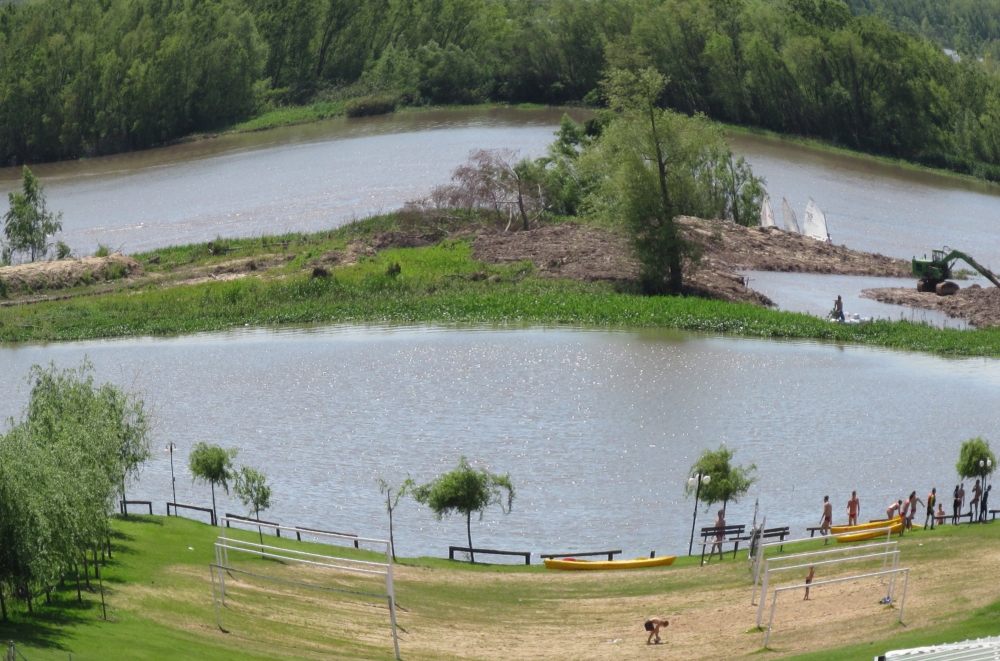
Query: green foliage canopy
x: 213, y: 465
x: 466, y: 490
x: 971, y: 453
x: 28, y: 224
x: 728, y: 483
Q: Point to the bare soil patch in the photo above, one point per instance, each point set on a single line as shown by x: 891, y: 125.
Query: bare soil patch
x: 980, y: 306
x: 66, y: 273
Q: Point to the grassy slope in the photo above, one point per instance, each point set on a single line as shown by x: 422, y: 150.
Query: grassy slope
x: 160, y: 605
x: 435, y: 286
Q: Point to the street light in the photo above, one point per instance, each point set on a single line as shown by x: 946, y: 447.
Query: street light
x: 696, y: 481
x: 173, y: 481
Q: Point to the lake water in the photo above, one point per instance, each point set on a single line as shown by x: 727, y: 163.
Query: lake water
x: 597, y: 428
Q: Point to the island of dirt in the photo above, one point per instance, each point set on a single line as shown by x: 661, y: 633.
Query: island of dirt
x: 979, y: 306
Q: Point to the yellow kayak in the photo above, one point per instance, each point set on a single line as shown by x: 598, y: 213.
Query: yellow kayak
x: 897, y: 526
x: 836, y: 530
x: 638, y: 563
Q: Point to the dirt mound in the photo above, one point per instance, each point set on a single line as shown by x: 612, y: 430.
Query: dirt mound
x: 980, y: 306
x: 583, y: 252
x: 46, y: 276
x: 732, y: 246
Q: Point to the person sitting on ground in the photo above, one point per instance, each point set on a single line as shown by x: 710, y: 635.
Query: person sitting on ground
x: 931, y: 499
x: 977, y: 491
x: 827, y: 520
x: 941, y: 516
x: 720, y: 536
x: 853, y: 509
x: 653, y: 626
x: 809, y: 580
x: 982, y: 504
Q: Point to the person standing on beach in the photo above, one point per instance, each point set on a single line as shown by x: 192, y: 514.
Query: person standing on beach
x: 827, y: 520
x: 956, y: 506
x: 853, y: 509
x: 961, y: 500
x: 982, y: 504
x: 720, y: 523
x: 931, y: 499
x: 809, y: 580
x: 912, y: 500
x: 977, y: 491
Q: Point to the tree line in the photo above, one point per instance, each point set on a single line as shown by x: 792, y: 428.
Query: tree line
x: 82, y: 77
x: 63, y: 466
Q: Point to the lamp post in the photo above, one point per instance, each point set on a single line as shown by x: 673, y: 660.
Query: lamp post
x: 696, y: 481
x: 173, y: 481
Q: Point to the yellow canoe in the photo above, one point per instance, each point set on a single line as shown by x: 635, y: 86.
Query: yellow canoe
x: 896, y: 527
x: 638, y: 563
x: 836, y: 530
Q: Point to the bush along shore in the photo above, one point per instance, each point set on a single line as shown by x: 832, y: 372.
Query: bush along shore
x: 411, y: 268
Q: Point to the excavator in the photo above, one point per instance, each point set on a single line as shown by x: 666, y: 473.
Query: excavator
x: 933, y: 273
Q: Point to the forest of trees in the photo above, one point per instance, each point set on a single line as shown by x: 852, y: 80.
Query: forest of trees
x: 83, y: 77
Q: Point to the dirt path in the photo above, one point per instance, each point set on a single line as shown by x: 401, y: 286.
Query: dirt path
x: 980, y: 306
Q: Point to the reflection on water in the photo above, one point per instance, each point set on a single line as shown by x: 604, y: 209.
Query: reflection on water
x: 814, y: 294
x: 298, y: 178
x: 597, y: 428
x: 878, y: 207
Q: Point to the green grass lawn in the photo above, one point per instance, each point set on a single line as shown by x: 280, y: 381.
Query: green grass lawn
x: 160, y: 604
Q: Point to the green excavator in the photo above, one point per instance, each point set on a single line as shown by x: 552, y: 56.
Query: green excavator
x: 934, y: 272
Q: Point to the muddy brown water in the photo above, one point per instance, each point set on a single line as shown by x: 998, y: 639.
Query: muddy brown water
x: 597, y: 428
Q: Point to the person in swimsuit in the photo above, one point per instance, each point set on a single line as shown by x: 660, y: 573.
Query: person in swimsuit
x: 977, y: 491
x: 912, y: 500
x: 809, y: 580
x: 892, y: 509
x: 961, y: 500
x: 827, y: 520
x: 931, y: 499
x: 719, y: 536
x: 904, y: 514
x: 941, y: 516
x: 956, y: 506
x: 983, y: 511
x: 838, y: 309
x: 853, y: 509
x: 653, y: 626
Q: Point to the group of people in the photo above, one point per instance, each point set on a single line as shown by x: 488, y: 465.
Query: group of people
x: 906, y: 508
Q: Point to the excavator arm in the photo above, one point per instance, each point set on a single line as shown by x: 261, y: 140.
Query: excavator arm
x: 986, y: 273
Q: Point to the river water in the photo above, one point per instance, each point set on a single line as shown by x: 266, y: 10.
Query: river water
x: 597, y: 428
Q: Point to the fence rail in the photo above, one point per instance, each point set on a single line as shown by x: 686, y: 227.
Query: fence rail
x: 125, y: 503
x: 178, y: 506
x: 236, y: 518
x: 465, y: 549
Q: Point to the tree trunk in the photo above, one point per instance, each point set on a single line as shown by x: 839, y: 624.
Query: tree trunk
x: 259, y: 533
x: 388, y: 506
x: 79, y: 597
x: 3, y: 605
x: 86, y: 571
x: 215, y: 514
x: 109, y: 546
x: 468, y: 529
x: 30, y: 611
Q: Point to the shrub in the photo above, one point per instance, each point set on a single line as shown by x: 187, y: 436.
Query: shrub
x: 102, y: 250
x: 368, y: 106
x: 62, y: 250
x: 115, y: 271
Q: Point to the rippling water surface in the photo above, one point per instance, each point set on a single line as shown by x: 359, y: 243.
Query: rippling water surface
x: 597, y: 428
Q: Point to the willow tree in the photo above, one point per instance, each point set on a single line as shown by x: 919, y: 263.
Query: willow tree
x: 214, y: 465
x: 975, y: 459
x: 466, y: 490
x: 253, y: 491
x: 728, y: 483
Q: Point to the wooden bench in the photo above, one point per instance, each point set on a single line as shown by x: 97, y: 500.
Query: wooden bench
x: 771, y: 533
x: 126, y: 503
x: 299, y: 530
x: 178, y: 506
x: 464, y: 549
x: 720, y: 535
x: 611, y: 554
x: 251, y: 521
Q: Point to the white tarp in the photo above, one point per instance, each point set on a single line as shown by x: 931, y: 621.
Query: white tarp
x: 766, y: 213
x: 788, y: 216
x: 814, y: 222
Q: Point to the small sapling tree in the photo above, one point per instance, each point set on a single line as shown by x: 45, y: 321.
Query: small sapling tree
x: 466, y: 490
x: 392, y: 495
x: 728, y: 483
x: 975, y: 459
x: 252, y: 489
x: 28, y: 224
x: 214, y: 465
